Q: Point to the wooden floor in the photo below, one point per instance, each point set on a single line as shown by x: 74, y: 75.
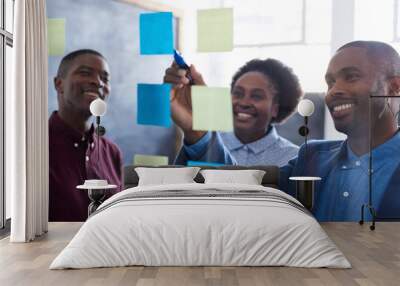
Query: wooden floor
x: 375, y: 257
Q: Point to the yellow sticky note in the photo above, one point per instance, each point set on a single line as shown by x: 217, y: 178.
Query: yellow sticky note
x: 212, y: 108
x: 150, y: 160
x: 215, y: 30
x: 56, y: 36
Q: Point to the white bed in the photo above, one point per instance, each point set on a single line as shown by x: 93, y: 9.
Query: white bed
x: 201, y: 224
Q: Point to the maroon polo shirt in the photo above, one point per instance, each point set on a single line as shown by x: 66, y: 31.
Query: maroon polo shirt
x: 73, y: 158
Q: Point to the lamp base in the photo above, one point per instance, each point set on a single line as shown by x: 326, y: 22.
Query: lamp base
x: 96, y: 197
x: 372, y: 212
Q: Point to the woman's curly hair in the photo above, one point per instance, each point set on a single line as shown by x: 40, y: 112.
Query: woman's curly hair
x: 284, y: 81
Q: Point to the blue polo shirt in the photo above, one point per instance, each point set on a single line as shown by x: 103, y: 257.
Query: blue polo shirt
x: 346, y: 186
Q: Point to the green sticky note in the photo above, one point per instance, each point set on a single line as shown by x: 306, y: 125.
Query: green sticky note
x: 212, y: 108
x: 150, y: 160
x: 56, y: 36
x: 215, y: 30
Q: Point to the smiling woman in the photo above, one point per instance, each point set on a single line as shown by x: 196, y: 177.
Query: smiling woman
x: 264, y: 92
x: 255, y: 105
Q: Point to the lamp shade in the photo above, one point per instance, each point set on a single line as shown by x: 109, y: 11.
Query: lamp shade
x: 98, y: 107
x: 305, y: 107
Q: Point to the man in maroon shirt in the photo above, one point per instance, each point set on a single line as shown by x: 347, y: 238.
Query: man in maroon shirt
x: 82, y: 76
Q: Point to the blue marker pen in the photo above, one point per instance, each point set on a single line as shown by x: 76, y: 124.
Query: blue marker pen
x: 182, y: 64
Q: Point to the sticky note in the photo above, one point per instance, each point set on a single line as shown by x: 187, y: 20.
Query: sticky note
x: 215, y: 30
x: 212, y: 108
x: 201, y: 163
x: 56, y: 36
x: 156, y: 33
x: 150, y: 160
x: 153, y: 106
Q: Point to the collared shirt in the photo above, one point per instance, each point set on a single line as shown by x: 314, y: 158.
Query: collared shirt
x: 208, y: 149
x: 74, y: 158
x: 271, y: 149
x: 346, y: 186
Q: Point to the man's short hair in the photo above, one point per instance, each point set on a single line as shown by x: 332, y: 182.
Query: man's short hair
x: 67, y: 60
x: 385, y: 55
x: 284, y: 81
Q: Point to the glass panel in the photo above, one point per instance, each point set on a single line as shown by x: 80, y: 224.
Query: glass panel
x: 318, y: 21
x: 1, y: 136
x: 373, y: 20
x: 9, y: 15
x: 1, y: 14
x: 398, y: 21
x: 8, y: 88
x: 261, y: 21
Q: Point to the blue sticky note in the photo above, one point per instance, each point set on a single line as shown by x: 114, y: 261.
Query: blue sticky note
x: 202, y: 163
x: 153, y: 106
x: 156, y: 35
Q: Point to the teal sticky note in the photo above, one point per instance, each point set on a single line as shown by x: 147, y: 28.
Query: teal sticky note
x: 56, y: 36
x: 202, y: 163
x: 150, y: 160
x: 153, y: 107
x: 212, y: 108
x: 156, y: 33
x: 215, y: 30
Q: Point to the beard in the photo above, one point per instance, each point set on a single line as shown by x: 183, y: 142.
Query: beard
x: 380, y: 106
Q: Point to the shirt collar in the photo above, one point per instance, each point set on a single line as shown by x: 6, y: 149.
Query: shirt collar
x: 233, y: 143
x: 57, y: 125
x: 380, y: 154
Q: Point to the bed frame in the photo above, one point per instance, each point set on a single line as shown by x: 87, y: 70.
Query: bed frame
x: 270, y: 179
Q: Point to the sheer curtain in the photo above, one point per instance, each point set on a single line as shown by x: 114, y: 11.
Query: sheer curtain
x: 27, y: 124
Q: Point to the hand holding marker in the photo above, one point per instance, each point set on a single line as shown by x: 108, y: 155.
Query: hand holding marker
x: 182, y: 64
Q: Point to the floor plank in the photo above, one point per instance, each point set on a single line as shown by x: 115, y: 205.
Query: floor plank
x: 375, y: 257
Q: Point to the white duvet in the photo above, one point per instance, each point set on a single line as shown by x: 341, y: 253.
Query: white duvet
x: 183, y: 231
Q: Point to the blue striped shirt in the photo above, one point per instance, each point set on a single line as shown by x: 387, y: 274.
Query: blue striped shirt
x: 271, y: 149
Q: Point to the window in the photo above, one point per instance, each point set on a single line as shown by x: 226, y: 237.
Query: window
x: 318, y: 22
x: 267, y: 26
x: 307, y: 37
x: 9, y: 19
x: 6, y: 44
x: 374, y: 20
x: 397, y: 21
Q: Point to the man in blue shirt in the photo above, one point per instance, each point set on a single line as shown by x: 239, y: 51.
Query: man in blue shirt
x: 357, y: 70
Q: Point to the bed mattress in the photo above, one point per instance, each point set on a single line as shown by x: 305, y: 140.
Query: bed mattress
x: 201, y: 225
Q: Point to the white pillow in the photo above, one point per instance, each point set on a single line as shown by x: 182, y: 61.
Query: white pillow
x: 164, y: 176
x: 248, y: 177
